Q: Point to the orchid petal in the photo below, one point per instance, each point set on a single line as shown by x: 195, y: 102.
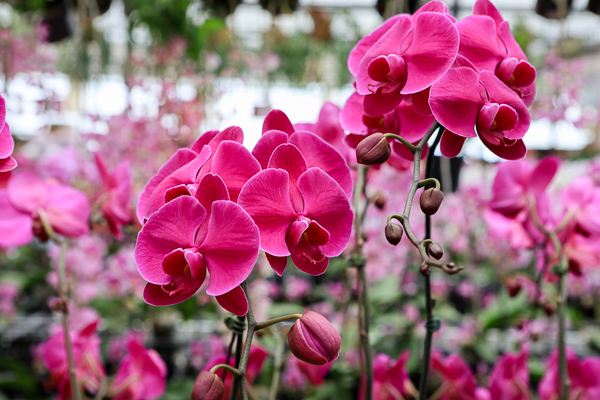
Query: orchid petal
x: 16, y: 226
x: 235, y: 165
x: 289, y: 158
x: 267, y: 144
x: 277, y: 263
x: 277, y: 120
x: 234, y: 301
x: 451, y: 144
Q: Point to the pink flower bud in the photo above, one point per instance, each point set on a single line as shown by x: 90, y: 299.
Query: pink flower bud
x: 314, y: 340
x: 513, y: 286
x: 208, y: 386
x: 431, y: 200
x: 373, y: 150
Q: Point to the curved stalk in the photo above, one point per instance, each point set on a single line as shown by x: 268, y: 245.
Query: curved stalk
x: 247, y: 344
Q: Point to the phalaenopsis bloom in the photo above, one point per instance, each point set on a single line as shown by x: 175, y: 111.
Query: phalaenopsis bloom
x: 27, y: 198
x: 391, y: 377
x: 116, y: 196
x: 583, y: 374
x: 458, y: 379
x: 510, y: 377
x: 7, y: 144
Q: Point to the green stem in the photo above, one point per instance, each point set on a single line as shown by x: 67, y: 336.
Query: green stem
x: 405, y: 142
x: 247, y: 344
x: 271, y: 322
x: 234, y: 371
x: 562, y: 348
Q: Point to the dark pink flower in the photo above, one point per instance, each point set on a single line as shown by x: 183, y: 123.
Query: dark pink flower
x: 329, y: 128
x: 256, y: 361
x: 509, y: 379
x: 117, y: 190
x: 486, y: 41
x: 189, y: 236
x: 583, y: 374
x: 315, y: 374
x: 470, y: 104
x: 405, y: 55
x: 142, y: 375
x: 458, y: 379
x: 86, y: 355
x: 214, y: 152
x: 26, y: 195
x: 7, y: 144
x: 301, y: 212
x: 391, y: 379
x: 277, y: 129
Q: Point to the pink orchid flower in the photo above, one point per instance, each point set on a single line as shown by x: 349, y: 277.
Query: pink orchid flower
x: 26, y: 196
x: 277, y: 129
x: 117, y: 187
x: 583, y: 374
x: 7, y: 144
x: 301, y: 212
x: 86, y: 355
x: 214, y: 152
x: 329, y: 128
x: 582, y: 199
x: 404, y: 120
x: 486, y: 41
x: 256, y: 360
x: 390, y: 377
x: 189, y: 236
x: 509, y: 379
x: 458, y: 379
x: 405, y: 55
x: 315, y: 374
x: 142, y: 375
x: 470, y: 104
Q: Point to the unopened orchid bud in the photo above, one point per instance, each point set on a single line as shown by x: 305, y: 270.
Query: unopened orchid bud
x: 393, y: 233
x: 373, y: 150
x: 425, y: 270
x: 431, y: 200
x: 435, y: 251
x: 549, y: 308
x: 380, y: 202
x: 208, y: 386
x: 314, y: 340
x: 513, y: 286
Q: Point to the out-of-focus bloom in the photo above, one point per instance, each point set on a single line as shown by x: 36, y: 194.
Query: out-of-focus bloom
x: 293, y: 377
x: 8, y: 293
x: 509, y: 379
x: 583, y: 374
x: 405, y: 55
x: 315, y: 374
x: 142, y: 374
x: 458, y: 379
x: 189, y: 236
x: 7, y: 144
x: 117, y: 190
x: 300, y: 211
x: 486, y: 41
x: 256, y: 360
x: 86, y: 356
x: 316, y: 152
x: 296, y: 287
x: 390, y: 377
x: 329, y: 128
x: 487, y: 108
x: 26, y: 196
x: 314, y: 340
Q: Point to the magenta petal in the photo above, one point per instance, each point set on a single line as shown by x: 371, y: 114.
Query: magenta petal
x: 173, y: 226
x: 321, y: 154
x: 235, y: 165
x: 16, y: 226
x: 277, y: 263
x: 156, y: 295
x: 103, y: 171
x: 380, y: 103
x: 352, y: 114
x: 455, y: 101
x: 183, y: 176
x: 295, y: 231
x: 326, y: 203
x: 178, y: 160
x: 311, y: 268
x: 420, y: 102
x: 197, y: 265
x: 266, y: 198
x: 433, y: 50
x: 210, y: 189
x: 485, y: 7
x: 2, y: 112
x: 501, y: 94
x: 413, y: 125
x: 68, y: 210
x: 267, y: 144
x: 288, y: 157
x: 175, y: 192
x: 27, y: 192
x: 451, y: 144
x: 361, y: 48
x: 516, y: 151
x: 513, y: 48
x: 174, y: 263
x: 233, y: 133
x: 231, y: 247
x: 277, y: 120
x: 234, y: 301
x: 543, y: 174
x: 7, y: 144
x: 7, y: 164
x: 478, y: 42
x: 203, y: 140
